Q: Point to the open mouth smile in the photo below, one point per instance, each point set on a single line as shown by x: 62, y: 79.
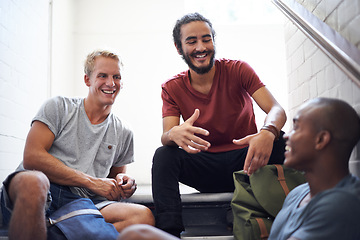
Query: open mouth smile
x: 108, y: 91
x: 200, y: 56
x: 287, y: 148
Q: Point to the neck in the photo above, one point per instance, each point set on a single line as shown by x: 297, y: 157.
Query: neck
x: 201, y: 79
x: 202, y: 82
x: 324, y: 179
x: 95, y: 112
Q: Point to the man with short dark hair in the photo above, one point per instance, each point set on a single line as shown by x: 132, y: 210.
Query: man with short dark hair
x: 324, y: 134
x: 219, y: 135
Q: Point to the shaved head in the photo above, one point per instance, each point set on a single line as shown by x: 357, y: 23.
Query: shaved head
x: 337, y: 117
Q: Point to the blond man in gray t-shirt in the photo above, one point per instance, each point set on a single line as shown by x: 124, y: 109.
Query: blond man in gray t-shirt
x: 75, y: 148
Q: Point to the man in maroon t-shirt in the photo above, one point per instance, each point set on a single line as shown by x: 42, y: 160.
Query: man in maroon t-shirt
x: 219, y: 134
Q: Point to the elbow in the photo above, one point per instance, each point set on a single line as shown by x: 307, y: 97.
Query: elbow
x: 163, y: 142
x: 163, y: 139
x: 281, y: 113
x: 284, y: 115
x: 277, y: 116
x: 28, y: 160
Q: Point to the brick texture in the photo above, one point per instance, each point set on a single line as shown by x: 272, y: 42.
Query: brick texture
x: 311, y: 73
x: 23, y: 74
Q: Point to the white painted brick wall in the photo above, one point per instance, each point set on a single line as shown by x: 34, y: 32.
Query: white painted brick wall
x: 23, y: 74
x: 341, y: 15
x: 311, y: 73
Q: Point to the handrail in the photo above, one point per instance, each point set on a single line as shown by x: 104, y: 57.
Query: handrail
x: 345, y: 55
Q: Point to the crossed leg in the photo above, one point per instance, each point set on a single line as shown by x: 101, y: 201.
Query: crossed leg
x: 144, y: 232
x: 122, y: 215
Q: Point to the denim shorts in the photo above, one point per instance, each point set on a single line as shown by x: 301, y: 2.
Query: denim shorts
x: 6, y: 205
x: 62, y: 195
x: 57, y: 197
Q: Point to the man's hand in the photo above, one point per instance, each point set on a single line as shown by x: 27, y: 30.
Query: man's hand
x: 114, y: 189
x: 126, y: 184
x: 107, y: 187
x: 184, y: 135
x: 260, y: 148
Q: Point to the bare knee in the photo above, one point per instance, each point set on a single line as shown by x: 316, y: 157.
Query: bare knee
x: 125, y: 214
x: 132, y: 232
x: 144, y: 232
x: 147, y: 216
x: 142, y: 215
x: 29, y: 185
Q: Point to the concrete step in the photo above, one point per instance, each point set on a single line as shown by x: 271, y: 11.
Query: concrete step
x: 205, y: 215
x: 206, y: 231
x: 209, y: 237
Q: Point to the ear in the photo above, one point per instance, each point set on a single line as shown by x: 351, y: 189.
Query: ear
x: 87, y: 80
x: 177, y: 49
x: 323, y: 138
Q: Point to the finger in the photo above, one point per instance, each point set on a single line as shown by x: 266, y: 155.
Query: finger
x: 190, y: 149
x: 133, y: 188
x: 121, y: 194
x: 119, y: 179
x: 130, y: 181
x: 118, y: 192
x: 198, y: 146
x: 199, y: 141
x: 248, y: 159
x: 114, y: 195
x: 198, y: 130
x: 253, y: 166
x: 257, y: 162
x: 127, y: 185
x: 191, y: 145
x: 243, y: 141
x: 193, y: 117
x: 130, y: 191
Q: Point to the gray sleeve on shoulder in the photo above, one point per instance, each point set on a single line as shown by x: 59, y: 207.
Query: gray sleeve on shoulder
x: 50, y: 114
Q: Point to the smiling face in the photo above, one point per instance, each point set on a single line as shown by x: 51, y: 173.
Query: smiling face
x: 300, y: 149
x: 104, y: 81
x: 198, y: 49
x: 325, y: 131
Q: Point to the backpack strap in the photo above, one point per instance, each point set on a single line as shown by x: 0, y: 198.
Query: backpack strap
x: 263, y: 231
x: 73, y: 214
x: 281, y: 178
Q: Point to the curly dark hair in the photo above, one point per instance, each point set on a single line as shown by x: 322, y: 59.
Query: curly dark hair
x: 188, y: 18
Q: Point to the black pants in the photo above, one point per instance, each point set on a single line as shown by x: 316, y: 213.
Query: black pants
x: 206, y: 172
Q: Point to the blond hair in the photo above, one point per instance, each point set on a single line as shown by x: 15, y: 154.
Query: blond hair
x: 90, y: 59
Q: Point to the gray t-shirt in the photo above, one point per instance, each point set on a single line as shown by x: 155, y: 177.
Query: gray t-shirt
x: 92, y: 149
x: 81, y: 145
x: 331, y: 214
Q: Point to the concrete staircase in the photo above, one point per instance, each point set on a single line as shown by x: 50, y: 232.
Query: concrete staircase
x: 205, y: 215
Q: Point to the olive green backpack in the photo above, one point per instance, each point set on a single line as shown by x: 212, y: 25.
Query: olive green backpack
x: 258, y: 199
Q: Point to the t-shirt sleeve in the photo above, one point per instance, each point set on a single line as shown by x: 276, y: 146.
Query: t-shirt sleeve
x: 169, y: 108
x: 51, y: 113
x: 332, y: 217
x: 249, y: 79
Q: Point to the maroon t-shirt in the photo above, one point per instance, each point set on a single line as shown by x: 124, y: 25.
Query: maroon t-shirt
x: 226, y: 111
